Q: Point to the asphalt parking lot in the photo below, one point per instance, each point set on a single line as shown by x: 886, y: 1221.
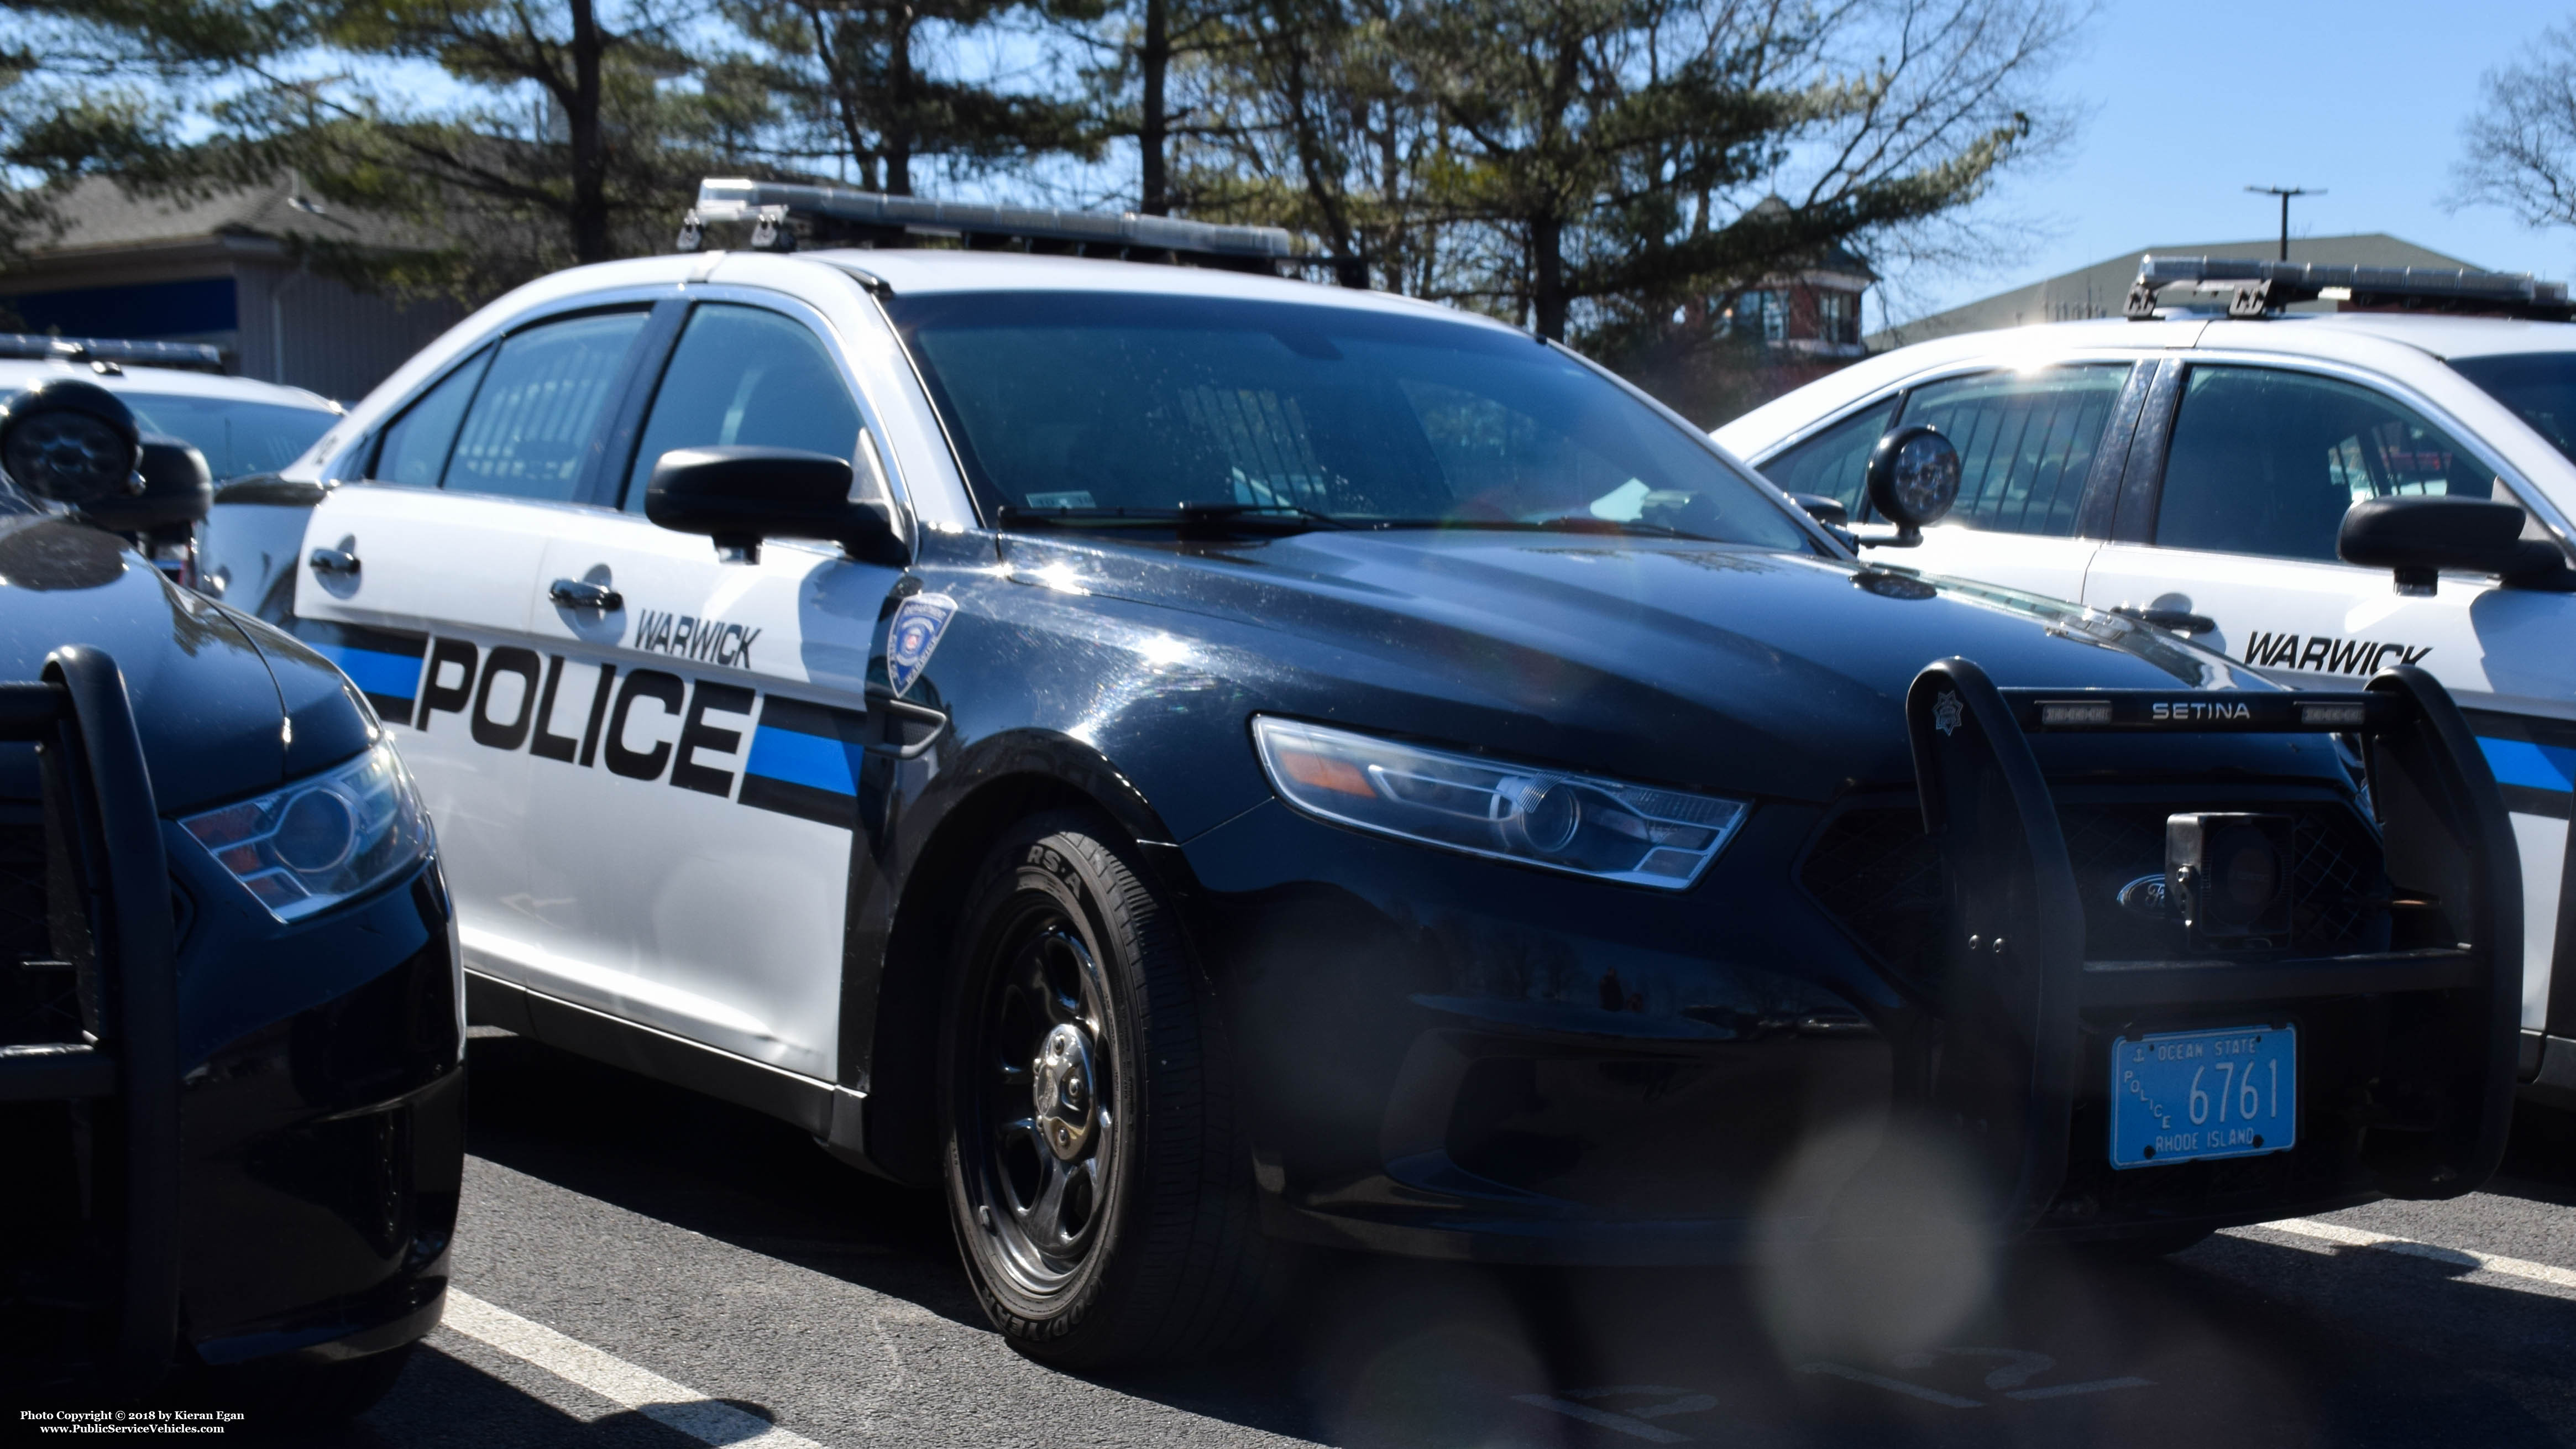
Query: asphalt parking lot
x: 641, y: 1267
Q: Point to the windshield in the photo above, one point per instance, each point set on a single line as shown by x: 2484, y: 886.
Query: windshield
x: 1090, y: 402
x: 2540, y: 388
x: 236, y: 437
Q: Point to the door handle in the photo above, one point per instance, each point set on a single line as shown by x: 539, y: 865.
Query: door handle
x: 333, y: 561
x: 2181, y: 621
x: 580, y: 594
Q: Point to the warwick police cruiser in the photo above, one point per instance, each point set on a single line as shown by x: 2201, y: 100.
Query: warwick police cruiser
x: 2318, y: 496
x: 1195, y: 764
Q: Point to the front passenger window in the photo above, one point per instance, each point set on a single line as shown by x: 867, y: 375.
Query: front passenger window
x: 2026, y: 441
x: 749, y: 377
x: 539, y: 410
x: 2266, y: 461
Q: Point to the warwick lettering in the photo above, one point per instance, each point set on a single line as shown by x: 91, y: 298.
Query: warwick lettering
x: 708, y: 641
x: 2318, y: 654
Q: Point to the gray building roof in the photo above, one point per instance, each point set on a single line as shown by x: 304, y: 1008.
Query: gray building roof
x: 2100, y: 289
x: 99, y: 215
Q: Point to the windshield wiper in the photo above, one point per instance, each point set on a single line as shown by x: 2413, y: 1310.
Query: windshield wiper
x: 1581, y: 523
x: 1189, y: 519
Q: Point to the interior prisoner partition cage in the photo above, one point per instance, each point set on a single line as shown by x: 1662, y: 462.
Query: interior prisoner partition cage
x: 2408, y: 1093
x: 89, y: 1081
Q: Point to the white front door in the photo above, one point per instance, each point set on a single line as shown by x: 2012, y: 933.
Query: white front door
x: 698, y: 766
x: 2262, y: 464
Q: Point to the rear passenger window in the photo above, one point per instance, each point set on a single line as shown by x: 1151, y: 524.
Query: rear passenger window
x: 414, y: 449
x: 539, y: 410
x: 2026, y: 441
x: 741, y: 375
x: 1834, y: 463
x: 2266, y: 461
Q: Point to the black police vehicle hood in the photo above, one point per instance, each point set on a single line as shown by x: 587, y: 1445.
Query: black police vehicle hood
x: 1664, y: 659
x: 226, y: 706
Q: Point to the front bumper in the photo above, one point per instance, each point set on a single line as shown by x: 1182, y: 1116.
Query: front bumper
x: 320, y: 1148
x: 1448, y: 1058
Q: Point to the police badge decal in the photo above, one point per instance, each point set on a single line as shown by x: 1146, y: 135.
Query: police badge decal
x: 1946, y: 712
x: 918, y: 623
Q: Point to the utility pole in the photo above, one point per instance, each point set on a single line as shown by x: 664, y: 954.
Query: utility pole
x: 2285, y: 193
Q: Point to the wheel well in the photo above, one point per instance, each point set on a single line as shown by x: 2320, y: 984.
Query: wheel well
x: 903, y: 1068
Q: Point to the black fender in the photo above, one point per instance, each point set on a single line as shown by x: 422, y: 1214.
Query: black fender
x: 905, y: 900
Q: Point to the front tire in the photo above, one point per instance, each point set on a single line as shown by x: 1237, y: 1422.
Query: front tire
x: 1100, y: 1194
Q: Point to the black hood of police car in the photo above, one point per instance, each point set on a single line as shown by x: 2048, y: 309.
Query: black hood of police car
x: 226, y: 706
x: 1660, y: 659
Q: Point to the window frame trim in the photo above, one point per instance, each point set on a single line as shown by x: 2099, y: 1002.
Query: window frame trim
x: 2142, y: 494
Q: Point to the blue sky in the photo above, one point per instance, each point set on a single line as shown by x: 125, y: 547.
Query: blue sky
x: 2192, y: 100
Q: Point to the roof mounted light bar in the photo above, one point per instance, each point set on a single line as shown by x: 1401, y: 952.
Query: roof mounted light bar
x: 112, y: 351
x: 835, y: 216
x: 2258, y: 288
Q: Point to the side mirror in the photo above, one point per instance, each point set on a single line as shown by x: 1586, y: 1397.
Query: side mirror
x: 178, y: 491
x: 1827, y: 511
x: 2422, y: 535
x: 1913, y: 480
x: 70, y: 442
x: 739, y: 496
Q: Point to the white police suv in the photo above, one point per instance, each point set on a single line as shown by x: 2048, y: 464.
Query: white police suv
x: 2317, y: 496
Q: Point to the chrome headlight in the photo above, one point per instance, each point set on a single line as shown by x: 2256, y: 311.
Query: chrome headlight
x: 323, y: 839
x: 1578, y: 823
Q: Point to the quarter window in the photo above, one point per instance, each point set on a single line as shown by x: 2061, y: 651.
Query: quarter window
x: 2026, y: 441
x: 2266, y: 461
x: 742, y: 375
x: 414, y: 450
x: 539, y: 410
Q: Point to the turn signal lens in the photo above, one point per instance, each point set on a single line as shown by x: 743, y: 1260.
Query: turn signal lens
x: 322, y: 839
x: 1578, y: 823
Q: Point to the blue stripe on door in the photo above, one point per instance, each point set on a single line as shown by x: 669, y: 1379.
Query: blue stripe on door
x: 2532, y: 766
x: 802, y: 759
x: 396, y: 676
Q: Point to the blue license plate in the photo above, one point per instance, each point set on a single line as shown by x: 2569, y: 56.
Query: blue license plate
x: 2187, y: 1095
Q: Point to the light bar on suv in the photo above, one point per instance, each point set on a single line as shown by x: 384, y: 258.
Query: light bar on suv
x: 2256, y: 288
x: 194, y: 355
x: 832, y: 215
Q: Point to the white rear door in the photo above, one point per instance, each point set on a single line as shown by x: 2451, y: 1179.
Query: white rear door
x: 420, y: 585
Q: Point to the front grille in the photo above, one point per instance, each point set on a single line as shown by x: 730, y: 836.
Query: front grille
x: 1876, y: 872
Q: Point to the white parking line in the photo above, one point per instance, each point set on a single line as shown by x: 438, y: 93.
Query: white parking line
x: 612, y: 1378
x: 2529, y: 1272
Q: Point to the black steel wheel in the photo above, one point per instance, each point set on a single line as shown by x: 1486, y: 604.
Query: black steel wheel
x: 1099, y: 1192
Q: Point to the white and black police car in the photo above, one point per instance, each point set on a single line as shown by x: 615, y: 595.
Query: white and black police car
x: 232, y: 1023
x: 2314, y: 495
x: 1191, y: 763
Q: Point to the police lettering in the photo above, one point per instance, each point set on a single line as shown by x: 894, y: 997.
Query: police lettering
x: 512, y: 699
